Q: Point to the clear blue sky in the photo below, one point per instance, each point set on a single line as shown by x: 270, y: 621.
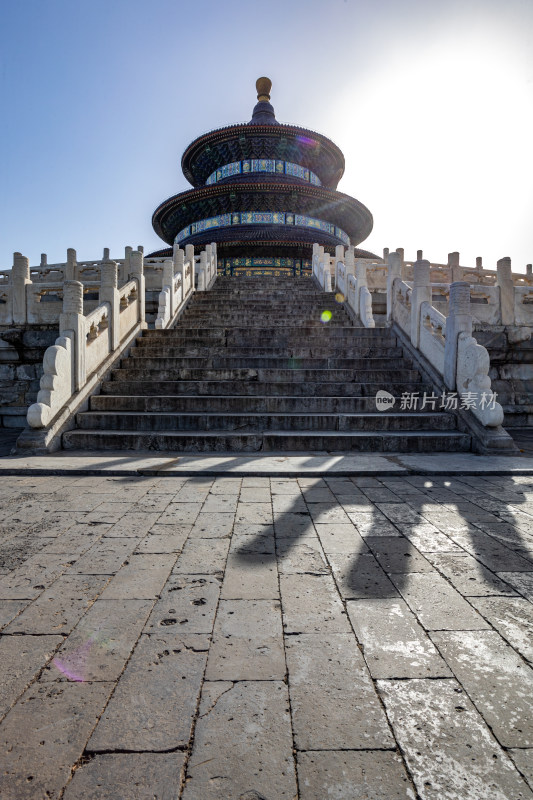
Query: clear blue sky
x: 431, y: 102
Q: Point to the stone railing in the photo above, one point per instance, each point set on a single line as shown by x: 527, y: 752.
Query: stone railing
x: 90, y: 342
x: 498, y: 297
x: 34, y: 295
x: 446, y: 342
x: 86, y: 341
x: 347, y: 276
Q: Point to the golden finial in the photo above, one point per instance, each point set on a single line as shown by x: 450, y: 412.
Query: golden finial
x: 263, y: 86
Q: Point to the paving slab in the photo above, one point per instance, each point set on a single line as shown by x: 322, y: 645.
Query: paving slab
x: 397, y: 554
x: 359, y: 575
x: 22, y: 658
x: 181, y: 513
x: 333, y: 701
x: 513, y: 618
x: 340, y: 538
x: 468, y: 575
x: 311, y: 604
x: 247, y: 642
x: 524, y: 762
x: 521, y: 581
x: 105, y: 557
x: 243, y: 743
x: 301, y: 557
x: 33, y: 577
x: 134, y: 524
x: 58, y: 609
x: 164, y: 539
x: 394, y: 644
x: 9, y: 610
x: 496, y: 679
x: 203, y: 556
x: 213, y: 525
x: 353, y: 774
x: 141, y: 578
x: 436, y: 604
x: 154, y: 705
x: 136, y: 776
x: 250, y: 576
x: 188, y: 604
x: 449, y: 750
x: 45, y: 734
x: 98, y: 648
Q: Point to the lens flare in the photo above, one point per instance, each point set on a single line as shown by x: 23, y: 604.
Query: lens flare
x: 326, y: 316
x: 339, y: 297
x: 75, y: 665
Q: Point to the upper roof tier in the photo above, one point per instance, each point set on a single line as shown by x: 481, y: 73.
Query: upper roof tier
x: 263, y: 138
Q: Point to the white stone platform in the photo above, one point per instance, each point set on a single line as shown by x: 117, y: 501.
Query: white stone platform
x: 269, y: 465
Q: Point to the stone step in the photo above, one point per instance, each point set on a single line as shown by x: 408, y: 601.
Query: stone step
x: 295, y: 389
x: 147, y: 360
x: 273, y: 338
x: 331, y: 331
x: 273, y: 376
x: 309, y: 321
x: 188, y: 350
x: 157, y: 421
x: 266, y: 302
x: 237, y: 404
x: 271, y: 441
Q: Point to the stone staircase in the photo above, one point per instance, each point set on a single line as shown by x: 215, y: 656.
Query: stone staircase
x: 252, y: 367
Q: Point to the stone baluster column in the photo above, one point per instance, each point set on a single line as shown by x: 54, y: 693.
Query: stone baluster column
x: 420, y: 294
x: 459, y: 320
x: 124, y: 271
x: 215, y: 262
x: 504, y: 280
x: 349, y: 263
x: 109, y: 294
x: 327, y: 272
x: 315, y: 259
x: 456, y: 272
x: 394, y: 270
x: 44, y: 261
x: 71, y: 267
x: 20, y: 278
x: 360, y: 276
x: 168, y: 283
x: 179, y: 266
x: 209, y: 272
x: 401, y: 253
x: 385, y: 254
x: 339, y: 256
x: 72, y: 324
x: 137, y: 271
x: 202, y: 272
x: 189, y: 257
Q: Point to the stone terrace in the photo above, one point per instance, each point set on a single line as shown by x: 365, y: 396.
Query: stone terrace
x: 260, y: 639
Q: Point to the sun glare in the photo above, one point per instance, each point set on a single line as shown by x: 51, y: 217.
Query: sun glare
x: 440, y: 139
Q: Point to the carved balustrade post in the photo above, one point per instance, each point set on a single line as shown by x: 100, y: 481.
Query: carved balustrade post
x: 459, y: 320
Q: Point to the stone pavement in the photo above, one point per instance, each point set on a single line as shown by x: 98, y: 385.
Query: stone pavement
x: 265, y: 638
